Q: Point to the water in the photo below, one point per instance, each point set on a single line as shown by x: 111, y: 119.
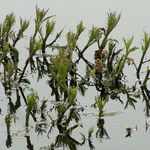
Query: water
x: 134, y: 20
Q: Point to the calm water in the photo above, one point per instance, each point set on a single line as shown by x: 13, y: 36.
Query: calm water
x: 135, y: 19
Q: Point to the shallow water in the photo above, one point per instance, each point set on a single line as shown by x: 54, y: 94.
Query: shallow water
x: 134, y: 20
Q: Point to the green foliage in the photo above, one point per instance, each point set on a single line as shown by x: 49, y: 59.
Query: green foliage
x: 31, y: 101
x: 41, y: 14
x: 8, y: 24
x: 127, y: 44
x: 123, y: 59
x: 146, y: 42
x: 72, y: 95
x: 112, y: 21
x: 24, y: 24
x: 5, y: 51
x: 8, y: 119
x: 63, y: 107
x: 90, y: 132
x: 93, y: 35
x: 40, y: 17
x: 10, y: 66
x: 71, y: 40
x: 61, y: 64
x: 35, y: 45
x: 145, y: 47
x: 110, y: 114
x: 100, y: 104
x: 49, y: 28
x: 80, y: 28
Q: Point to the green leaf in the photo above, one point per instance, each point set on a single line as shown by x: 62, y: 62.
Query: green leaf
x: 72, y: 94
x: 38, y: 44
x: 133, y: 49
x: 111, y: 114
x: 6, y: 47
x: 8, y: 23
x: 128, y: 43
x: 49, y: 28
x: 35, y: 45
x: 40, y: 14
x: 61, y: 67
x: 5, y: 51
x: 24, y: 25
x: 10, y: 66
x: 71, y: 39
x: 90, y: 132
x: 99, y: 103
x: 94, y: 34
x: 80, y: 29
x: 31, y: 101
x: 112, y: 21
x: 59, y: 34
x: 146, y: 42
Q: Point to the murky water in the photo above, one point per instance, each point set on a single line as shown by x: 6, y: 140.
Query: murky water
x: 134, y: 20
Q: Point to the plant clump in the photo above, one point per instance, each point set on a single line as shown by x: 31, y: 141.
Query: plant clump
x: 59, y: 64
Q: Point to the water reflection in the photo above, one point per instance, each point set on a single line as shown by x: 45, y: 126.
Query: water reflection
x: 8, y: 125
x: 130, y: 131
x: 30, y: 146
x: 101, y: 132
x: 67, y: 141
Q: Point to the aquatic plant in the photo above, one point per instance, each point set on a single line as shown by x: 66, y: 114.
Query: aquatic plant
x: 31, y: 106
x: 59, y: 64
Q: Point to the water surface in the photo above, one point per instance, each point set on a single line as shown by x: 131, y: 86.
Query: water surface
x: 134, y: 20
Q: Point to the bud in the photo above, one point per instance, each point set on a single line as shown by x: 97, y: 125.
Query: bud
x: 98, y: 66
x: 97, y: 54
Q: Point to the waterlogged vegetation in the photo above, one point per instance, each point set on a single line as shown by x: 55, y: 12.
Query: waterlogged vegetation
x: 59, y: 64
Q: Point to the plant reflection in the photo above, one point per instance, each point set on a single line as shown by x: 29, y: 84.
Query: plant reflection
x: 41, y: 128
x: 147, y: 125
x: 65, y: 140
x: 8, y: 124
x: 101, y: 132
x: 30, y: 146
x: 130, y: 130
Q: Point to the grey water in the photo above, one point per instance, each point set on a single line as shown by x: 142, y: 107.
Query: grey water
x: 135, y: 19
